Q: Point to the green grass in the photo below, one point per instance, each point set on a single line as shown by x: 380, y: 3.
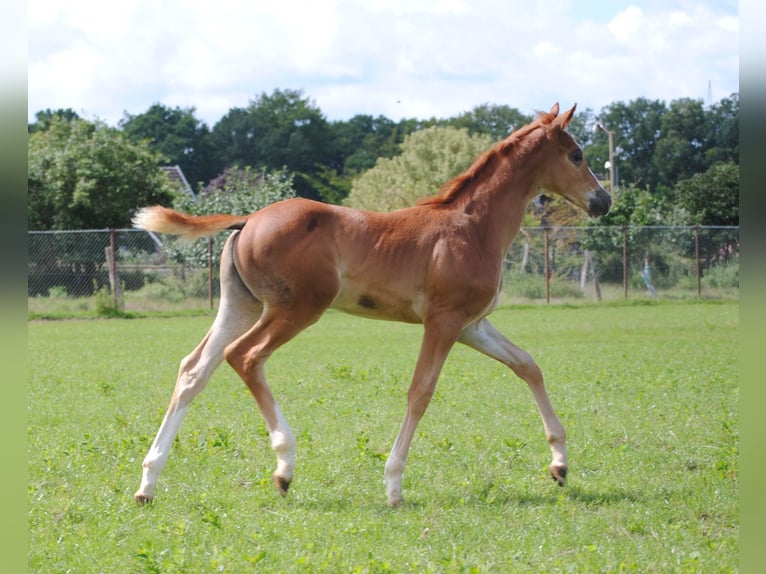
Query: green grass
x: 647, y: 393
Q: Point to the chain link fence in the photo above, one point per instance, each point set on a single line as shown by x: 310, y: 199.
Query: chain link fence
x: 134, y: 270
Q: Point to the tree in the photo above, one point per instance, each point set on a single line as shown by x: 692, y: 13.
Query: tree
x: 236, y: 191
x: 179, y: 136
x: 428, y: 159
x: 681, y: 146
x: 637, y: 127
x: 494, y: 120
x: 360, y: 141
x: 44, y: 119
x: 631, y: 206
x: 709, y: 198
x: 722, y: 131
x: 284, y: 129
x: 84, y: 175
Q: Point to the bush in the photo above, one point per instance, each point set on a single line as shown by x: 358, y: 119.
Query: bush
x: 723, y: 275
x: 160, y: 291
x: 532, y: 286
x: 175, y: 289
x: 106, y: 306
x: 57, y: 291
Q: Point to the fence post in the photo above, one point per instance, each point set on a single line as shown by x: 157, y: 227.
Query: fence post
x: 697, y: 259
x: 625, y: 260
x: 210, y: 270
x: 547, y: 270
x: 114, y: 280
x: 596, y: 284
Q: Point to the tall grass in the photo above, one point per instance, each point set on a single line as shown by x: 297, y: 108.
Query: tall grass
x: 648, y: 395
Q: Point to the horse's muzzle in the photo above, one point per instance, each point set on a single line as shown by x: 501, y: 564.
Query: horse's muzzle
x: 599, y: 203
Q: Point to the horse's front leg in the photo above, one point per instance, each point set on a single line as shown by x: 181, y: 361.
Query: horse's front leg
x: 483, y: 337
x: 439, y: 337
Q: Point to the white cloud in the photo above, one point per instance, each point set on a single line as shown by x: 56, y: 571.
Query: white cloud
x: 403, y: 58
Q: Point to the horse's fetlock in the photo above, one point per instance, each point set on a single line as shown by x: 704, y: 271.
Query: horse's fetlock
x: 282, y: 443
x: 282, y: 483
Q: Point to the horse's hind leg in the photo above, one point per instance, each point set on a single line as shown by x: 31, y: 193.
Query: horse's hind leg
x: 237, y: 312
x: 247, y: 356
x: 483, y: 337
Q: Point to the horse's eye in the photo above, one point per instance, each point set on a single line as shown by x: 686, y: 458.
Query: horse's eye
x: 576, y: 157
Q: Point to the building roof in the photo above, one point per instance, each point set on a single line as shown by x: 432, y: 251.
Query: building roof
x: 177, y: 178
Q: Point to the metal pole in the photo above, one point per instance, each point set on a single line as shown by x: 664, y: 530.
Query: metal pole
x: 612, y: 166
x: 625, y: 260
x: 697, y: 259
x: 612, y: 179
x: 113, y: 267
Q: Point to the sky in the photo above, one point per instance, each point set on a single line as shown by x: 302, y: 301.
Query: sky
x: 396, y: 58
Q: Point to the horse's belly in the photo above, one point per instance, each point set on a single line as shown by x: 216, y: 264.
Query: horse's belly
x: 376, y: 304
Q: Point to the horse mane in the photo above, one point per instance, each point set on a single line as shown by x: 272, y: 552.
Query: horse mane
x: 452, y: 189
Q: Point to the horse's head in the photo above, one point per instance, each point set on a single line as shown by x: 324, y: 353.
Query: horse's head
x: 565, y: 171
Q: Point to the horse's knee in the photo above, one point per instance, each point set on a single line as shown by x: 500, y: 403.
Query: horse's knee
x: 190, y: 383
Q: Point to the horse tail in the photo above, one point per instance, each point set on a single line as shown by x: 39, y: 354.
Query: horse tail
x: 164, y: 220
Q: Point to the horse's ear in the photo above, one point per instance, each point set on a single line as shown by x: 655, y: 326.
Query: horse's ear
x: 550, y: 116
x: 566, y: 117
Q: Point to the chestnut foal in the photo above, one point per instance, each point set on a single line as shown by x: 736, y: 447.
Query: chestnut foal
x: 439, y: 263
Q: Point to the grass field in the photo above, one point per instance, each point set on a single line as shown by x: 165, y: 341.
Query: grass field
x: 647, y: 393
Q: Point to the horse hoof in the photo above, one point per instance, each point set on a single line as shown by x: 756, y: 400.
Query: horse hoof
x: 559, y: 474
x: 142, y: 498
x: 281, y: 483
x: 395, y: 501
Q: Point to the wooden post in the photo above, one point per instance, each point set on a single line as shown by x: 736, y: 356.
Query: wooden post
x: 547, y: 270
x: 584, y: 270
x: 114, y: 279
x: 525, y: 256
x: 596, y: 284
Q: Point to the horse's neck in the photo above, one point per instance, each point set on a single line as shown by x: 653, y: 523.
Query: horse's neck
x: 498, y: 204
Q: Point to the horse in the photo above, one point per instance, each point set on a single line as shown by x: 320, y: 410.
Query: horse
x: 438, y: 263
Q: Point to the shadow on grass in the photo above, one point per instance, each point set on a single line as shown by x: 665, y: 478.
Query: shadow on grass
x: 509, y: 496
x: 422, y: 501
x: 606, y: 497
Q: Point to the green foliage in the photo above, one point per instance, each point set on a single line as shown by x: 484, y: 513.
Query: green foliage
x: 636, y: 125
x: 44, y: 118
x: 532, y: 286
x: 495, y: 121
x: 680, y: 150
x: 84, y: 175
x: 106, y: 305
x: 428, y: 159
x: 722, y: 275
x: 176, y: 288
x: 236, y: 191
x: 360, y: 141
x: 632, y: 206
x: 57, y: 291
x: 648, y: 395
x: 709, y: 198
x: 178, y: 136
x: 284, y: 129
x: 657, y: 145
